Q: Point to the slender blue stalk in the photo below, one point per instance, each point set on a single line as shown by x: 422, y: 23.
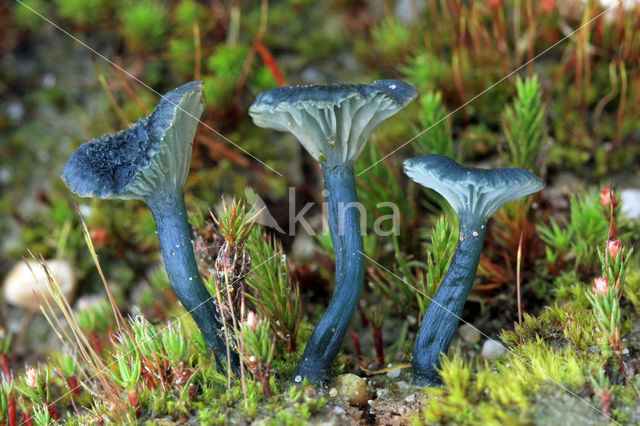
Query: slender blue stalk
x: 441, y: 319
x: 170, y: 214
x: 326, y: 339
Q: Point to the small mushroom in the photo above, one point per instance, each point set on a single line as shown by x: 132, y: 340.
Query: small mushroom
x: 333, y: 123
x: 475, y: 194
x: 150, y: 162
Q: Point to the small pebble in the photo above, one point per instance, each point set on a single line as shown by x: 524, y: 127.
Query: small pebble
x: 5, y: 175
x: 409, y: 11
x: 333, y: 392
x: 492, y: 349
x: 469, y: 333
x: 20, y: 283
x: 412, y: 320
x: 15, y: 111
x: 394, y: 374
x: 353, y: 388
x: 630, y: 207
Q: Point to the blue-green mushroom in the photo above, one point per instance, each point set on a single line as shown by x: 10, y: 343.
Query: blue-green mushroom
x: 333, y: 123
x: 150, y: 162
x: 475, y: 194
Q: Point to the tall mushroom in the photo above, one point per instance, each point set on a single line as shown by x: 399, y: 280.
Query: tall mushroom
x: 333, y: 123
x: 150, y: 162
x: 475, y: 194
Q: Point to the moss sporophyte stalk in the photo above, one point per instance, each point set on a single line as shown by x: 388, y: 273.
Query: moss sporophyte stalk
x: 333, y: 123
x: 150, y: 162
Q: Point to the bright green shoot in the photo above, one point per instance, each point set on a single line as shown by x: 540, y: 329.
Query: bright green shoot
x: 176, y: 346
x: 434, y: 118
x: 258, y: 347
x: 523, y: 125
x: 274, y: 293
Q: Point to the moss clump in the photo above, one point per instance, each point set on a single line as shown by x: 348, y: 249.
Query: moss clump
x: 480, y: 393
x: 144, y: 25
x: 82, y: 12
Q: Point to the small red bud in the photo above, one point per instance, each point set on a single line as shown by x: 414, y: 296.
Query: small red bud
x: 495, y: 4
x: 607, y: 197
x: 252, y: 320
x: 100, y: 236
x: 547, y: 6
x: 32, y: 377
x: 601, y: 286
x: 614, y: 247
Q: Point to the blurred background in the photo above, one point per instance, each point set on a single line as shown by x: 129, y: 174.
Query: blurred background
x: 56, y: 93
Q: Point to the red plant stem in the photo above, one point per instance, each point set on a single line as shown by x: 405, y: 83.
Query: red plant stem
x: 519, y: 257
x: 616, y: 343
x: 72, y: 387
x: 181, y: 376
x: 221, y: 150
x: 266, y: 387
x: 26, y: 419
x: 134, y: 400
x: 363, y: 316
x: 613, y: 225
x: 95, y: 341
x: 605, y: 402
x: 4, y: 363
x: 377, y: 340
x: 53, y: 411
x: 356, y: 343
x: 621, y: 364
x: 12, y: 410
x: 73, y: 384
x: 269, y: 62
x: 148, y: 377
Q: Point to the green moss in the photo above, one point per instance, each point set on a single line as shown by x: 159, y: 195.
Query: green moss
x: 25, y: 16
x: 262, y: 79
x: 183, y: 51
x: 425, y: 71
x: 82, y: 12
x: 144, y: 24
x: 480, y: 393
x: 186, y: 14
x: 225, y: 67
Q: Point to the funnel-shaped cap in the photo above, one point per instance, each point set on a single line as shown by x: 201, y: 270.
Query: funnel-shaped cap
x: 332, y: 122
x: 153, y: 155
x: 469, y: 190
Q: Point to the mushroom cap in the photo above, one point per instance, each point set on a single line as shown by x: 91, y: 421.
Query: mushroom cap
x: 332, y: 122
x: 470, y: 190
x: 152, y: 155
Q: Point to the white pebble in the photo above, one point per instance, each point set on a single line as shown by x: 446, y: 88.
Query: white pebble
x: 394, y: 374
x: 469, y: 333
x: 630, y: 200
x: 25, y: 278
x: 492, y: 349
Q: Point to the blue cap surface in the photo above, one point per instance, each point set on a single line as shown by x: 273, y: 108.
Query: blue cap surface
x: 154, y: 153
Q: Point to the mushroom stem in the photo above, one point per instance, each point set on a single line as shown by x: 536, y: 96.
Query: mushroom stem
x: 441, y: 319
x: 169, y: 211
x: 344, y: 223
